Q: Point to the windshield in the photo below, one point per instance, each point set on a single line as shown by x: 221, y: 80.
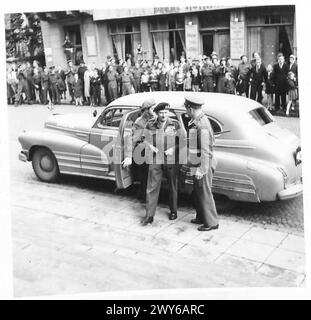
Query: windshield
x: 261, y: 116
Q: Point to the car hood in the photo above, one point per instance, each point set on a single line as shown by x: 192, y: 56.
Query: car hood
x: 81, y: 122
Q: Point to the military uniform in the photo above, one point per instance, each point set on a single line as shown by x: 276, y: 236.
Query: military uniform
x: 163, y: 137
x: 136, y: 149
x: 206, y: 212
x: 112, y: 77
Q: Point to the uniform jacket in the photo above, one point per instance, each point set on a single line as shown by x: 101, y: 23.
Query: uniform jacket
x: 201, y: 135
x: 163, y: 137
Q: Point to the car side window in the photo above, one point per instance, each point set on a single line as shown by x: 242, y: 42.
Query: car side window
x: 112, y: 118
x: 215, y: 126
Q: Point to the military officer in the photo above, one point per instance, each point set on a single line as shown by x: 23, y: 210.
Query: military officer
x: 203, y: 170
x: 137, y: 147
x: 161, y: 143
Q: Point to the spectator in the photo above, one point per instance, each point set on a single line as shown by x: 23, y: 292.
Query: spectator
x: 162, y: 80
x: 179, y: 80
x: 243, y: 77
x: 22, y: 87
x: 68, y: 47
x: 153, y: 79
x: 145, y: 86
x: 292, y: 92
x: 229, y: 83
x: 95, y: 87
x: 53, y: 86
x: 171, y: 78
x: 232, y: 69
x: 36, y: 82
x: 293, y: 66
x: 112, y: 78
x: 45, y: 85
x: 221, y: 71
x: 137, y: 72
x: 208, y: 71
x: 11, y: 85
x: 258, y: 77
x: 269, y: 87
x: 69, y: 74
x: 187, y: 85
x: 280, y: 72
x: 196, y: 79
x: 78, y: 90
x: 61, y: 84
x: 81, y: 70
x: 127, y: 82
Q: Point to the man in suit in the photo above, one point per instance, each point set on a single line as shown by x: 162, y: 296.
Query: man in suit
x: 258, y: 76
x: 203, y: 166
x: 280, y: 70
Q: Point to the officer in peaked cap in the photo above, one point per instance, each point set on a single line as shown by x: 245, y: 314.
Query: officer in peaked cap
x: 201, y: 136
x: 161, y: 140
x: 136, y: 148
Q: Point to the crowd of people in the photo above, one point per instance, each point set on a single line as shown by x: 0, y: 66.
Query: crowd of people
x: 93, y: 85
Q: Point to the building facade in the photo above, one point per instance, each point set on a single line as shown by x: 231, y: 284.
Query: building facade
x: 169, y: 32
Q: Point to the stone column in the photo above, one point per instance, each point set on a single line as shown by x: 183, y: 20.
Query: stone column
x: 146, y: 38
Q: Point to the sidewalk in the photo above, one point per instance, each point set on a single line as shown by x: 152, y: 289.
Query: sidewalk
x: 96, y: 243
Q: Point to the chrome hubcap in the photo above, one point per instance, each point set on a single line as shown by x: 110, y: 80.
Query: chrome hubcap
x: 46, y: 163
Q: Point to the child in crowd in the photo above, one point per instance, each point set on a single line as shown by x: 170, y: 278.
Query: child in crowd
x: 196, y: 79
x: 269, y: 87
x: 77, y: 90
x: 187, y: 82
x: 229, y: 83
x: 145, y: 81
x: 292, y: 92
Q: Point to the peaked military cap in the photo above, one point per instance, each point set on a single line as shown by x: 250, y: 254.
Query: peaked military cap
x: 161, y: 106
x: 147, y: 104
x: 193, y: 102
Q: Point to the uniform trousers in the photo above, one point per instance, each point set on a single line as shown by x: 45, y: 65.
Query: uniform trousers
x: 204, y: 201
x: 155, y: 174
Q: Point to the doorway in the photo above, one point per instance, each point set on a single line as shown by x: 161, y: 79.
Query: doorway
x: 218, y: 41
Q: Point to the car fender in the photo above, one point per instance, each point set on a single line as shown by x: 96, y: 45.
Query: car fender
x: 65, y: 148
x: 245, y: 178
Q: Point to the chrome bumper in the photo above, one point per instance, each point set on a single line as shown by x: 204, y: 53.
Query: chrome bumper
x: 23, y: 156
x: 291, y: 192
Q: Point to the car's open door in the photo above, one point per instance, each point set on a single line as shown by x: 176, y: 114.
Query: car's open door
x: 123, y: 175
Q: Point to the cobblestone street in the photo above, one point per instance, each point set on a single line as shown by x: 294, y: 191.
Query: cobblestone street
x: 78, y: 235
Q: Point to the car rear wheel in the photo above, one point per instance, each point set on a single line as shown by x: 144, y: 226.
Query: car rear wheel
x: 45, y: 165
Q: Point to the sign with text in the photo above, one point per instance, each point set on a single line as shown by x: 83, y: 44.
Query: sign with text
x: 192, y: 41
x: 237, y: 37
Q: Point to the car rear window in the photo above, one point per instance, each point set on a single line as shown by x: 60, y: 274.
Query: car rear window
x: 261, y: 116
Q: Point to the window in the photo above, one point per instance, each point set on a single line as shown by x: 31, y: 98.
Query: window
x: 215, y: 126
x: 74, y: 34
x: 125, y: 38
x: 168, y: 37
x: 112, y: 118
x: 261, y: 116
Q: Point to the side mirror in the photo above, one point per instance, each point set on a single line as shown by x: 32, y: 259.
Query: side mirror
x: 95, y: 113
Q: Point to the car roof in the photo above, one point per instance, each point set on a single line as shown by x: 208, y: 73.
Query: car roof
x: 215, y: 103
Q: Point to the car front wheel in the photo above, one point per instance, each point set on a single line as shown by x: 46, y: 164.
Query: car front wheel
x: 45, y: 165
